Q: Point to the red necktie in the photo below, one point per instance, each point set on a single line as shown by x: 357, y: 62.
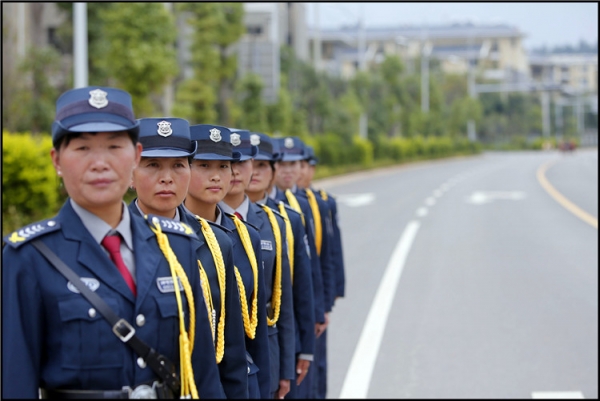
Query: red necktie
x: 112, y: 243
x: 239, y: 216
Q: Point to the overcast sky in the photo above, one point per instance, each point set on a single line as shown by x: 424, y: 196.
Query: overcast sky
x: 543, y: 23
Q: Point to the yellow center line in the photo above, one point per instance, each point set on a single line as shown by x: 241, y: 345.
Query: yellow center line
x: 567, y: 204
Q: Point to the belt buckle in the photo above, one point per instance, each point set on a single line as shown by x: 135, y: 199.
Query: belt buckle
x: 120, y: 324
x: 143, y: 391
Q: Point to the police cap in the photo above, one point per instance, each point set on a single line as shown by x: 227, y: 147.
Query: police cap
x: 214, y: 143
x: 166, y: 137
x: 93, y: 109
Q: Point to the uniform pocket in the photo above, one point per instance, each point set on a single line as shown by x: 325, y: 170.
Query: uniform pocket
x: 87, y: 338
x: 168, y: 328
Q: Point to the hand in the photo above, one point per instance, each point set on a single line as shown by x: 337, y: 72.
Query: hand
x: 301, y: 370
x: 284, y: 388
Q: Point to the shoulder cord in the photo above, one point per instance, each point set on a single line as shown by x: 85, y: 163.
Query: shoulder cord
x: 314, y: 206
x: 324, y: 195
x: 250, y: 319
x: 294, y: 203
x: 276, y: 295
x: 290, y: 238
x: 210, y: 310
x: 217, y: 255
x: 186, y: 346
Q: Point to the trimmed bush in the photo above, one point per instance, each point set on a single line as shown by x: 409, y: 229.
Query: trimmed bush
x: 29, y: 183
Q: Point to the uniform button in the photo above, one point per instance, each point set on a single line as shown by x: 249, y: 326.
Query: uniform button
x: 140, y: 320
x: 248, y: 369
x: 92, y: 312
x: 141, y: 363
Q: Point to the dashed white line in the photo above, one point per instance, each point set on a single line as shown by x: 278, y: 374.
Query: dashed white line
x: 437, y: 193
x: 430, y: 201
x: 358, y: 378
x: 422, y: 211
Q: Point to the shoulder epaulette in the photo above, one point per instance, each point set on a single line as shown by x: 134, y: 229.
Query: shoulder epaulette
x: 274, y: 210
x: 171, y: 226
x: 289, y: 209
x: 213, y: 224
x: 244, y: 221
x: 34, y: 230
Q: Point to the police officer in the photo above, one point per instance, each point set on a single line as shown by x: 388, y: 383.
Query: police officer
x: 328, y: 208
x: 161, y: 181
x: 210, y: 181
x: 287, y: 173
x: 139, y: 274
x: 278, y: 287
x: 263, y: 173
x: 306, y: 178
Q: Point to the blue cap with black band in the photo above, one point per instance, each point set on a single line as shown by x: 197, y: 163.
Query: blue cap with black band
x: 291, y: 149
x: 264, y: 144
x: 166, y: 137
x: 240, y: 139
x: 310, y: 155
x: 214, y: 143
x: 94, y: 109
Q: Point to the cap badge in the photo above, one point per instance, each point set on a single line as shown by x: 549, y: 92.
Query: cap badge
x: 164, y: 128
x: 235, y: 139
x: 98, y: 98
x: 288, y: 143
x: 254, y: 140
x: 215, y: 135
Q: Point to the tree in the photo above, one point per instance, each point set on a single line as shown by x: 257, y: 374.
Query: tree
x: 141, y: 56
x: 253, y: 116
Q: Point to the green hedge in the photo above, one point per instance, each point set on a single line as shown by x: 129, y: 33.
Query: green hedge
x: 30, y: 186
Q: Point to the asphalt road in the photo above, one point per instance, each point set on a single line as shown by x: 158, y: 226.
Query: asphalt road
x: 466, y: 278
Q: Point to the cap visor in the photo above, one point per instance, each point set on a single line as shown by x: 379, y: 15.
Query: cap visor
x: 99, y: 127
x: 214, y: 156
x: 166, y: 153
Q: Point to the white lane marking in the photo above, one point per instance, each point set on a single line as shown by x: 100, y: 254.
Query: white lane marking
x: 358, y: 377
x: 437, y: 193
x: 356, y: 200
x: 430, y: 201
x: 422, y: 211
x: 445, y: 187
x: 481, y: 197
x: 557, y: 394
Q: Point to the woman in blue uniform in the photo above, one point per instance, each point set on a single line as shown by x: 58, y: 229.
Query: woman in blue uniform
x: 263, y: 172
x: 57, y: 340
x: 161, y: 181
x: 210, y: 181
x: 278, y: 288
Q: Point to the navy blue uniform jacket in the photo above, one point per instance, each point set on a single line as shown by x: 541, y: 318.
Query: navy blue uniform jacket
x: 51, y: 340
x: 281, y: 335
x: 317, y: 275
x: 258, y: 348
x: 233, y: 366
x: 302, y: 286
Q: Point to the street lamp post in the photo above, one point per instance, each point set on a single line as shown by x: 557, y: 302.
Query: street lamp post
x: 80, y: 41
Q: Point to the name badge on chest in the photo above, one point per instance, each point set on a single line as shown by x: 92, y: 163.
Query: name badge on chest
x: 165, y: 284
x: 89, y: 282
x: 266, y: 245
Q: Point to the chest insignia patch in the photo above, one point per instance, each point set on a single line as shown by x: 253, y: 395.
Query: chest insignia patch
x: 89, y: 282
x: 266, y: 245
x: 165, y: 284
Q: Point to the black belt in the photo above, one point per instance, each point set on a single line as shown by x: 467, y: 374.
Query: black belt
x: 154, y: 390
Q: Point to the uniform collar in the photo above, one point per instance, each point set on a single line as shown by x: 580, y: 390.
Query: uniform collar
x: 176, y: 218
x: 273, y: 193
x: 217, y: 212
x: 242, y: 209
x: 99, y: 229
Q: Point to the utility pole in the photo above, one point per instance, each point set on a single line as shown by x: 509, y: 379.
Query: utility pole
x: 425, y: 49
x: 545, y: 100
x: 80, y: 45
x: 317, y: 40
x: 363, y: 123
x: 472, y: 135
x: 168, y: 94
